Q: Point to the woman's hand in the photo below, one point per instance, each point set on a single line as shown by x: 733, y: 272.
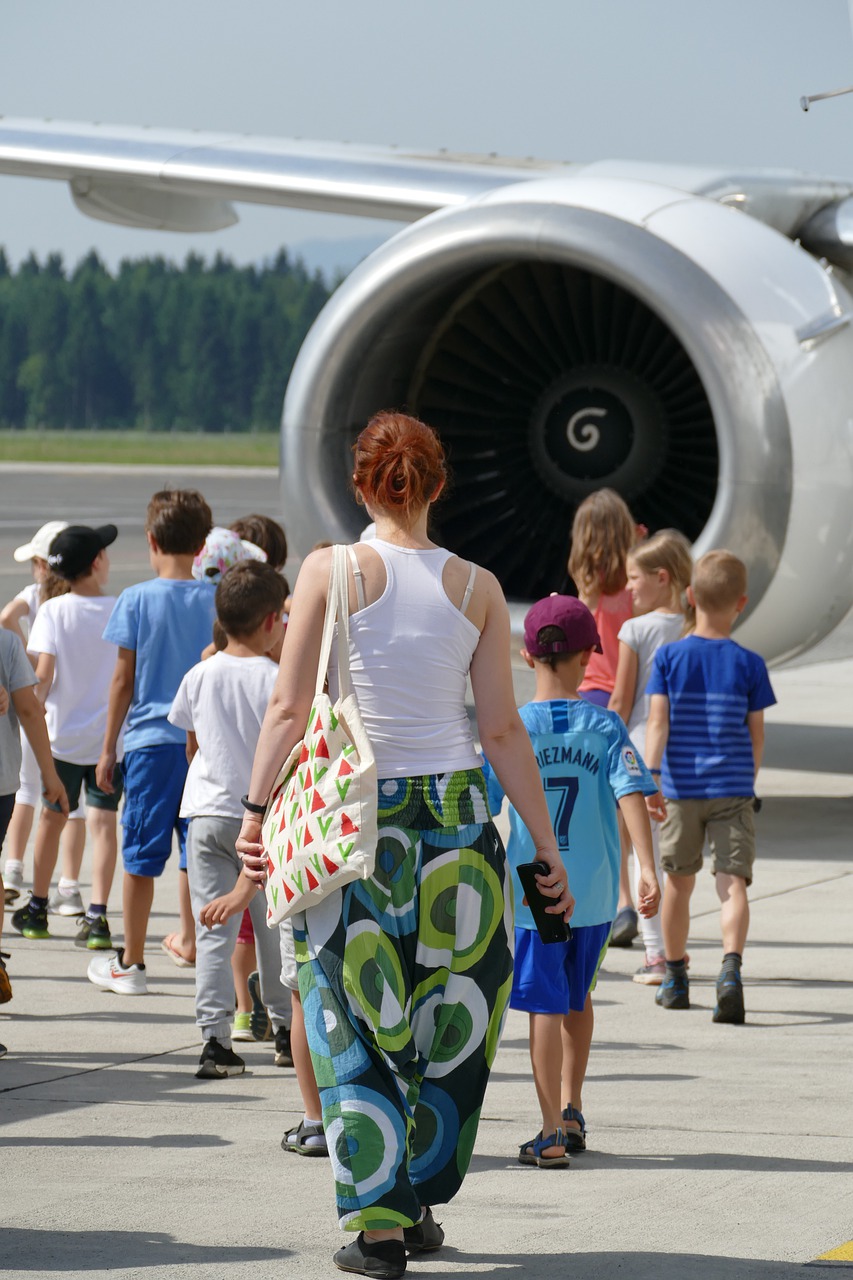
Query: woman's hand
x: 556, y: 884
x: 251, y: 850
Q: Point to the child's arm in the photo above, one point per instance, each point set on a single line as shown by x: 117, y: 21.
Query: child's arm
x: 11, y: 615
x: 229, y: 904
x: 192, y: 745
x: 31, y: 715
x: 121, y: 693
x: 639, y: 829
x: 755, y: 724
x: 45, y: 672
x: 625, y: 687
x: 657, y: 736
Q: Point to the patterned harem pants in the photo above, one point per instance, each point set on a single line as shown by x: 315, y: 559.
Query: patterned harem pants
x: 405, y: 979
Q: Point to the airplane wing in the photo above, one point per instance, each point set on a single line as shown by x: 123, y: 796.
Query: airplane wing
x: 184, y: 180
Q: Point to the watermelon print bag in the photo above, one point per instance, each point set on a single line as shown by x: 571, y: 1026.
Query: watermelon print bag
x: 320, y: 827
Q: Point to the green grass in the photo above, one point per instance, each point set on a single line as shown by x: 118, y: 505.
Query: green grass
x: 129, y: 448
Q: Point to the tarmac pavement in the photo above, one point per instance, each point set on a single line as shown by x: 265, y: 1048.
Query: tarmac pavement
x: 716, y: 1152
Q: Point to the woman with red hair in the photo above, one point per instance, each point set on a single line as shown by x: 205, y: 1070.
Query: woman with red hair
x: 405, y: 976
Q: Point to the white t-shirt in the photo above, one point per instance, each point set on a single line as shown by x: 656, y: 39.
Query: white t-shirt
x: 645, y: 635
x: 30, y: 596
x: 71, y: 628
x: 223, y: 702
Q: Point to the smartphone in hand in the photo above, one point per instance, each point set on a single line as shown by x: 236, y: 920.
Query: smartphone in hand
x: 549, y: 926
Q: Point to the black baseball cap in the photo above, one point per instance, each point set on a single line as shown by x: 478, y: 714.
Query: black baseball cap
x: 73, y: 551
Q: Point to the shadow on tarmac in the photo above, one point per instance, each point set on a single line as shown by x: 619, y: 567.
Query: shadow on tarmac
x: 638, y: 1265
x: 46, y: 1252
x: 167, y: 1140
x: 809, y: 748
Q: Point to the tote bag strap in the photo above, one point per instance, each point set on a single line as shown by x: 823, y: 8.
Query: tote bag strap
x: 337, y: 610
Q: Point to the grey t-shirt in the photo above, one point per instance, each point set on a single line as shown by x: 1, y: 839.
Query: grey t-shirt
x: 645, y: 635
x: 16, y: 673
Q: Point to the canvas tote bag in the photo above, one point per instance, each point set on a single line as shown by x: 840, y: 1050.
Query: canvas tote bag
x: 320, y: 827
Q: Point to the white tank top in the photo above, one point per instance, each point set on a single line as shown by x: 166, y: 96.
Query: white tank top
x: 409, y: 657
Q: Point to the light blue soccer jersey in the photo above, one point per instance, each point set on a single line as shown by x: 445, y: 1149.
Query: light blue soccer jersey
x: 587, y: 763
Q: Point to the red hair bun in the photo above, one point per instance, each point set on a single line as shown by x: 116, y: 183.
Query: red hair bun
x: 399, y: 462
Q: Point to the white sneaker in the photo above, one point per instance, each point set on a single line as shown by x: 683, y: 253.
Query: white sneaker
x: 66, y: 904
x: 111, y: 973
x: 13, y: 881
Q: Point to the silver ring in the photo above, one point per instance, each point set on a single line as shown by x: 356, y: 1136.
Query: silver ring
x: 559, y: 886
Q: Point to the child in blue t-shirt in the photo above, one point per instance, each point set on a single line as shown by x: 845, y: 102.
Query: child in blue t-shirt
x: 705, y: 738
x: 161, y: 627
x: 589, y: 770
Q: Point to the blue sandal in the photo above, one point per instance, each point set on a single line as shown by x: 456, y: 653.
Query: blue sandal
x: 531, y: 1152
x: 575, y: 1140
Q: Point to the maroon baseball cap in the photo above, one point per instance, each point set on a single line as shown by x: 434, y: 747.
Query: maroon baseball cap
x: 573, y: 619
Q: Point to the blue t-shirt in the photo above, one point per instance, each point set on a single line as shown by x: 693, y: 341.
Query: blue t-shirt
x: 587, y: 763
x: 712, y: 685
x: 167, y: 622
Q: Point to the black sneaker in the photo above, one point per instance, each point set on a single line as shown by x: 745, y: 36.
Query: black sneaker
x: 283, y: 1056
x: 217, y: 1061
x: 424, y: 1236
x: 259, y: 1020
x: 674, y: 991
x: 5, y: 984
x: 94, y: 934
x: 31, y: 922
x: 730, y: 998
x: 385, y: 1259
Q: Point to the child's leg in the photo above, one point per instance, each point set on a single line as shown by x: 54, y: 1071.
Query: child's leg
x: 576, y: 1034
x: 675, y: 915
x: 302, y: 1063
x: 734, y: 911
x: 102, y: 823
x: 20, y: 826
x: 650, y: 929
x: 546, y: 1059
x: 73, y: 846
x: 269, y: 948
x: 184, y: 942
x: 137, y: 897
x: 46, y: 851
x: 243, y: 962
x: 212, y: 870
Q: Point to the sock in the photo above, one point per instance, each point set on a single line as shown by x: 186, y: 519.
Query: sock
x: 675, y: 966
x: 96, y: 910
x: 37, y: 904
x: 732, y: 961
x: 13, y: 865
x: 308, y: 1120
x: 68, y: 887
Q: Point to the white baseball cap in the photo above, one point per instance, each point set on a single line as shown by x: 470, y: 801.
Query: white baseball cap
x: 39, y: 544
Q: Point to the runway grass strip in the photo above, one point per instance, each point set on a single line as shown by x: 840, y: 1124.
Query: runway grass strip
x: 128, y: 448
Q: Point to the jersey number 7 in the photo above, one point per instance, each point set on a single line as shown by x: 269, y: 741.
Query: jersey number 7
x: 568, y: 789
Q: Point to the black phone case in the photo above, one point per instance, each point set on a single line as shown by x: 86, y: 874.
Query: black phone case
x: 550, y: 927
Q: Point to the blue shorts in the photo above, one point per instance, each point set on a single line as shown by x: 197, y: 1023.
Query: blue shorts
x: 556, y: 977
x: 154, y: 780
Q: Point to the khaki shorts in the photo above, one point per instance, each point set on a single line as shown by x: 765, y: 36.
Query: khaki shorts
x: 729, y: 825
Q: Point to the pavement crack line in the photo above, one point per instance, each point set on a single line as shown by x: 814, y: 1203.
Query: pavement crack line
x: 88, y: 1071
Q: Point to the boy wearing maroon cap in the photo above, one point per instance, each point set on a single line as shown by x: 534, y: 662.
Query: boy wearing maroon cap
x: 589, y: 768
x: 73, y: 668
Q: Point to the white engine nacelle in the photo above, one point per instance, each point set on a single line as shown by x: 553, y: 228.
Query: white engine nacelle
x: 567, y: 334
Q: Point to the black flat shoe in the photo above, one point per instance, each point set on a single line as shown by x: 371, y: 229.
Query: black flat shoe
x: 424, y: 1236
x: 384, y: 1259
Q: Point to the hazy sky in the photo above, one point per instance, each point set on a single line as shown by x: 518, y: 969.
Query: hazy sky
x: 671, y: 80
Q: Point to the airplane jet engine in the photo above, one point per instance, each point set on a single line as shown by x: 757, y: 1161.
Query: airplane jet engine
x: 565, y: 334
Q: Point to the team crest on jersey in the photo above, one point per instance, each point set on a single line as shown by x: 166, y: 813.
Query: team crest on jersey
x: 630, y: 761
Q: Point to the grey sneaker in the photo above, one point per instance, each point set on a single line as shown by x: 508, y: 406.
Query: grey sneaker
x: 424, y: 1236
x: 217, y: 1061
x: 62, y: 904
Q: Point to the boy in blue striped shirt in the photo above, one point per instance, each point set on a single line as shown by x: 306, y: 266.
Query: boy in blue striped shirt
x: 705, y: 739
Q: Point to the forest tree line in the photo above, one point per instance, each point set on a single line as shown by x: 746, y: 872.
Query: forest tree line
x: 156, y: 346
